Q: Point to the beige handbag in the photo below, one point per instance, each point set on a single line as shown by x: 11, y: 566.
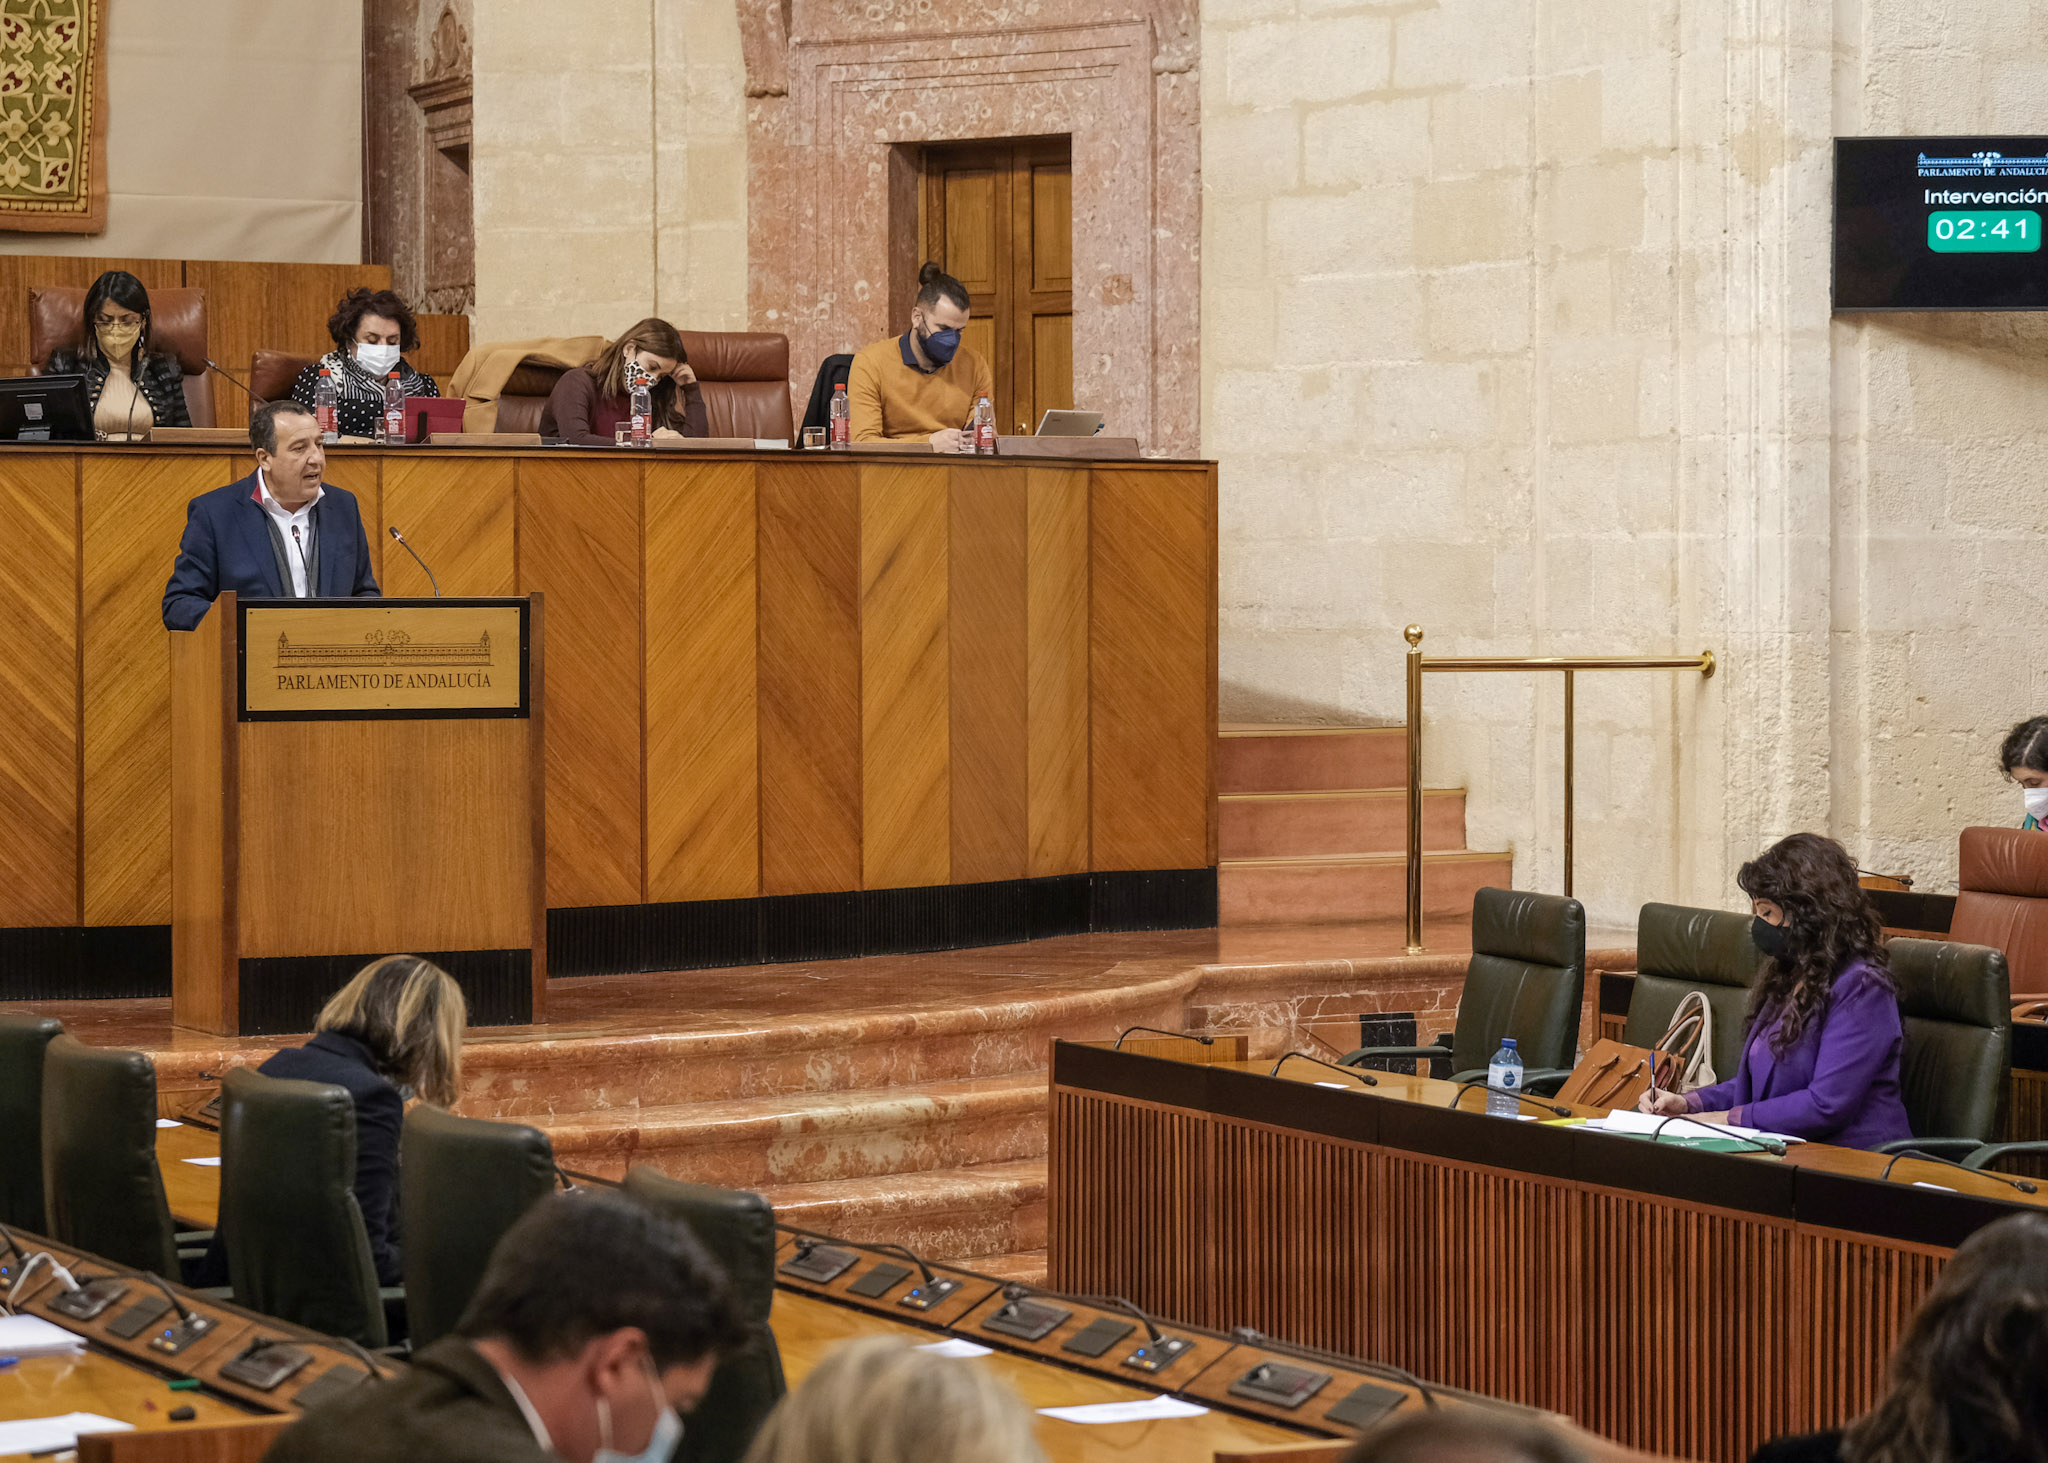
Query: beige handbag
x: 1689, y: 1042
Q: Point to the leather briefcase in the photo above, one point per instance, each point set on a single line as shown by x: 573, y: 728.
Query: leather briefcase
x: 1615, y: 1075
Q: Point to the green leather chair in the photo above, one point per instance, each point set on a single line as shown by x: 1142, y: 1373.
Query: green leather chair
x: 102, y: 1190
x: 1681, y: 950
x: 23, y: 1040
x: 738, y: 1228
x: 1955, y: 1002
x: 466, y: 1182
x: 295, y: 1241
x: 1526, y: 979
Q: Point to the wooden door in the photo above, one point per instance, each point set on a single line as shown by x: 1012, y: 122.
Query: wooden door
x: 999, y: 217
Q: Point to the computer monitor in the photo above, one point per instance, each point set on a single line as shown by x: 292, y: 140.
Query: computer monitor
x: 44, y: 409
x: 1070, y: 424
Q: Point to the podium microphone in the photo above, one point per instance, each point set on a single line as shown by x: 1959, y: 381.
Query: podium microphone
x: 417, y: 560
x: 1366, y: 1078
x: 1556, y: 1109
x: 254, y: 399
x: 1175, y: 1035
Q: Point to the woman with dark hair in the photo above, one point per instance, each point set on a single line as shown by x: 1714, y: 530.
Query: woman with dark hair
x: 1969, y: 1380
x: 922, y: 385
x: 372, y: 329
x: 1821, y: 1058
x: 589, y: 403
x: 132, y: 388
x: 2023, y: 758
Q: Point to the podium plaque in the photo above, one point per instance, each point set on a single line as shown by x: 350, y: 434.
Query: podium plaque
x: 354, y: 778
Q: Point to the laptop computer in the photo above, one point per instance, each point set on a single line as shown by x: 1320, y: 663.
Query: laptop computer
x: 1070, y: 424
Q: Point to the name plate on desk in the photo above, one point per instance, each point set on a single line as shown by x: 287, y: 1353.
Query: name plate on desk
x: 400, y: 659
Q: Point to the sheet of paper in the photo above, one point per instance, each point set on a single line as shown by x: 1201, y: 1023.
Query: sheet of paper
x: 1644, y: 1124
x: 213, y: 1162
x: 1152, y: 1409
x: 52, y: 1434
x: 1938, y: 1188
x: 34, y: 1336
x: 954, y: 1346
x: 169, y: 1123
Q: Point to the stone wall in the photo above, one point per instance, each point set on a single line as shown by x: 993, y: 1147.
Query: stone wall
x: 609, y: 167
x: 1515, y: 325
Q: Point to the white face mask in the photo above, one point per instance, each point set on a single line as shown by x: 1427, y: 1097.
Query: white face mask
x: 661, y: 1443
x: 376, y: 359
x: 2037, y: 803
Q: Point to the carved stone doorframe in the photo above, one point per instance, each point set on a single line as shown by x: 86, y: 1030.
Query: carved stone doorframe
x: 833, y: 201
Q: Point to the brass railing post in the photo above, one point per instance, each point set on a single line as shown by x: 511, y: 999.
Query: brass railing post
x: 1414, y: 634
x: 1570, y: 665
x: 1568, y: 676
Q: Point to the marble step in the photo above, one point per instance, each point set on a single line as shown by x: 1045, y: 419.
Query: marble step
x: 989, y: 1209
x: 1357, y: 887
x: 1284, y: 758
x: 538, y: 1078
x: 1361, y: 820
x: 751, y: 1143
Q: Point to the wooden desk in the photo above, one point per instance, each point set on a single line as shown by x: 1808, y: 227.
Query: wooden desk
x: 50, y: 1386
x: 810, y: 677
x: 806, y: 1329
x: 193, y: 1191
x: 1677, y: 1301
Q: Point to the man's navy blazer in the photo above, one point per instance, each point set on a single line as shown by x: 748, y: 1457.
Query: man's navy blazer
x: 227, y: 546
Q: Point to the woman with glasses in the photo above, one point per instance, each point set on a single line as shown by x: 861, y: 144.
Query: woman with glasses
x: 131, y: 387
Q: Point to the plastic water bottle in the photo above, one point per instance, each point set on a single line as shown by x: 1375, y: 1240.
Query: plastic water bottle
x: 1504, y: 1072
x: 643, y: 413
x: 394, y: 410
x: 324, y: 408
x: 842, y: 420
x: 984, y: 428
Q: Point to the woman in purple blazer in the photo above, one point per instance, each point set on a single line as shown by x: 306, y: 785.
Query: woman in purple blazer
x: 1821, y: 1060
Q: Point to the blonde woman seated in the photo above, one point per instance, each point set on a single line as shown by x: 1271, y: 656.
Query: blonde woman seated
x: 393, y: 1032
x: 877, y: 1400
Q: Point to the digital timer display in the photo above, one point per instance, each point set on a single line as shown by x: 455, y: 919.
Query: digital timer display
x: 1940, y: 223
x: 1955, y: 232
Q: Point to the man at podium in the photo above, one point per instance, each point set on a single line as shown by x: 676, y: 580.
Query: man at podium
x: 279, y: 533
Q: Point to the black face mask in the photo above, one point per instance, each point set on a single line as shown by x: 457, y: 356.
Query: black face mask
x: 1774, y: 940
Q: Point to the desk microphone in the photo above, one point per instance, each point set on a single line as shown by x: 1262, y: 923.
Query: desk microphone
x: 417, y: 560
x: 253, y: 397
x: 1556, y: 1109
x: 2021, y: 1184
x: 1252, y: 1336
x: 1158, y: 1347
x: 1720, y: 1130
x: 1363, y: 1077
x: 1175, y: 1035
x: 933, y: 1288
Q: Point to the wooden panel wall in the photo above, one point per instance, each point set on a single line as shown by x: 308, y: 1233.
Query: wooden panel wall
x: 39, y: 693
x: 132, y: 508
x: 769, y: 674
x: 703, y: 736
x: 1680, y: 1329
x: 906, y: 810
x: 809, y: 678
x: 1152, y: 713
x: 579, y: 544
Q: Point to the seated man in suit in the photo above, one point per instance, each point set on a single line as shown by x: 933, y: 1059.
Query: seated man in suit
x: 597, y: 1321
x: 279, y: 533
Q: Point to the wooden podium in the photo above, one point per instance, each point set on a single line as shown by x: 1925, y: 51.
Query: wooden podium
x: 354, y: 778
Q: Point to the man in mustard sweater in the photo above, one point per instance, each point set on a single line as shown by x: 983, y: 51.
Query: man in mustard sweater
x: 921, y: 386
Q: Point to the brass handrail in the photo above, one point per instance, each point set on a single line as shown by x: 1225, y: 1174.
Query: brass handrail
x: 1570, y: 665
